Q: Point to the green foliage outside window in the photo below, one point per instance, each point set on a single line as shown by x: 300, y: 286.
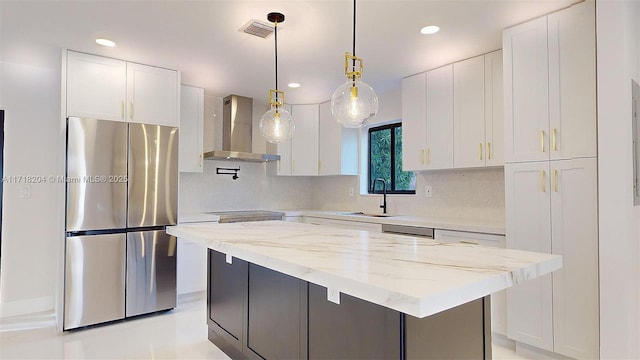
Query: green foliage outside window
x: 385, y: 160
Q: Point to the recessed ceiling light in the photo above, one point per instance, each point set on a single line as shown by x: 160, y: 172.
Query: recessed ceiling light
x: 105, y: 42
x: 428, y: 30
x: 294, y: 85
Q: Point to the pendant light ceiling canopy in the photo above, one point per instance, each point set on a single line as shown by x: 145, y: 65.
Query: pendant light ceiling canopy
x: 354, y: 102
x: 276, y: 125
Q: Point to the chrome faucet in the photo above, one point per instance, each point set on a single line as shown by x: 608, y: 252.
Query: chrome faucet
x: 384, y: 192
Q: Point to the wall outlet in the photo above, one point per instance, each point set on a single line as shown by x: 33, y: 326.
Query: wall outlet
x: 428, y: 191
x: 350, y: 192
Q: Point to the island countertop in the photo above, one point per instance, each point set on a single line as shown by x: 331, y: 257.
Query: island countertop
x: 416, y: 276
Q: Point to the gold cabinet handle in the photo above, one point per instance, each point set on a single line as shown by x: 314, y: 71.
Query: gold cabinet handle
x: 279, y: 165
x: 489, y: 150
x: 554, y: 134
x: 555, y: 180
x: 542, y: 141
x: 428, y: 156
x: 422, y: 156
x: 542, y: 176
x: 319, y: 166
x: 200, y: 160
x: 122, y: 109
x: 480, y: 151
x: 131, y: 110
x: 293, y: 166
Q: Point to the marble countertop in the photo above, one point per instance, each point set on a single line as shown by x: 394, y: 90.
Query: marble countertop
x: 417, y: 276
x: 472, y: 225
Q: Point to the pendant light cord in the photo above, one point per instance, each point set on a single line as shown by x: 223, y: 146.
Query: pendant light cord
x: 276, y: 42
x: 353, y: 67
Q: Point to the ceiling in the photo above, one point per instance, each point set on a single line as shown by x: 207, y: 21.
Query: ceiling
x: 203, y: 40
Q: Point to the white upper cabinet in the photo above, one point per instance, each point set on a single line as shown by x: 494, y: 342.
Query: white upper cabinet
x: 96, y: 87
x: 304, y: 144
x: 109, y: 89
x: 494, y: 109
x: 284, y: 149
x: 414, y: 122
x: 152, y: 95
x: 191, y: 129
x: 469, y: 113
x: 526, y: 89
x: 550, y: 86
x: 439, y: 110
x: 337, y: 147
x: 572, y: 82
x: 452, y: 116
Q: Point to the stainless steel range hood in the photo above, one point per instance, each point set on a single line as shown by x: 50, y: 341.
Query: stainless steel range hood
x: 236, y: 132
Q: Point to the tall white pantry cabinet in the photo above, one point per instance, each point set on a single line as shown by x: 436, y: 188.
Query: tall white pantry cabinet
x: 551, y: 178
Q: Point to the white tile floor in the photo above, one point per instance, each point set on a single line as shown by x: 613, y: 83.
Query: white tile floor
x: 178, y: 334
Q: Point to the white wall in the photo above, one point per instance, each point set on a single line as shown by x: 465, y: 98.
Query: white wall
x: 32, y: 227
x: 476, y: 194
x: 618, y: 39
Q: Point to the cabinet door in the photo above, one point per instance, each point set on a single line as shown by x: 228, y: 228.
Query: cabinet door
x: 439, y: 94
x: 526, y: 90
x: 152, y: 95
x: 96, y: 87
x: 191, y: 267
x: 574, y: 209
x: 304, y: 144
x: 468, y: 114
x: 414, y: 122
x: 277, y: 316
x: 494, y: 110
x: 337, y: 146
x: 191, y: 126
x: 227, y: 296
x: 341, y: 331
x: 528, y: 225
x: 572, y: 82
x: 284, y: 149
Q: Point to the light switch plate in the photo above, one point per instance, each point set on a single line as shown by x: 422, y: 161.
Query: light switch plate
x: 428, y: 190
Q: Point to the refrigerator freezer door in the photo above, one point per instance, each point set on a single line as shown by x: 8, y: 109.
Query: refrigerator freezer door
x: 96, y: 174
x: 94, y: 279
x: 153, y: 175
x: 151, y: 272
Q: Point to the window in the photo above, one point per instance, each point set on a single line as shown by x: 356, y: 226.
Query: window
x: 385, y: 161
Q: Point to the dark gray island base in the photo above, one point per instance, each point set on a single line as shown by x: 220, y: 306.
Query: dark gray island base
x: 257, y: 313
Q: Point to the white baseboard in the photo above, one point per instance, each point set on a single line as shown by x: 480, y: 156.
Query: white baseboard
x: 532, y: 352
x: 193, y: 296
x: 26, y: 307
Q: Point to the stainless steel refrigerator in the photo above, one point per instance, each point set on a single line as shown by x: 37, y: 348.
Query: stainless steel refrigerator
x: 121, y: 194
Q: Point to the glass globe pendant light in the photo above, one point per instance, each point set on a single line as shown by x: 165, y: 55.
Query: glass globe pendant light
x: 276, y: 125
x: 354, y: 102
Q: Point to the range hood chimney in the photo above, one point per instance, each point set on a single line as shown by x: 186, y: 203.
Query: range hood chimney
x: 237, y: 123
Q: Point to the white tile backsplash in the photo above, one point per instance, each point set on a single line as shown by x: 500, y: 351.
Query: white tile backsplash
x: 461, y: 194
x: 254, y: 189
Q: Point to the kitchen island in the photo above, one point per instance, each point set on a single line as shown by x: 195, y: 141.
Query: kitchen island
x: 291, y: 290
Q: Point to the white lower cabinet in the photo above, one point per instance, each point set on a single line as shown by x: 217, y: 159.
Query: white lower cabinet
x: 343, y: 224
x: 499, y: 299
x: 551, y: 206
x: 191, y: 267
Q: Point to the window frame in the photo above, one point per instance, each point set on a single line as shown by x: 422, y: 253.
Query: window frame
x: 390, y: 187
